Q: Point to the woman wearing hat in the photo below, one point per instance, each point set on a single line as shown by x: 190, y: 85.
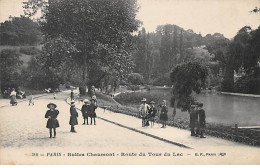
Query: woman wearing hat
x: 92, y: 110
x: 52, y: 122
x: 73, y: 117
x: 13, y: 100
x: 163, y: 115
x: 143, y: 110
x: 85, y: 110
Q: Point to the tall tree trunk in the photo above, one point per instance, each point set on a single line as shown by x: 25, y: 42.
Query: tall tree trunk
x: 174, y: 108
x: 83, y: 84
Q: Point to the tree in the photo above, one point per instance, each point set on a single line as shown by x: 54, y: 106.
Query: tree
x: 187, y: 78
x: 101, y: 31
x: 9, y: 64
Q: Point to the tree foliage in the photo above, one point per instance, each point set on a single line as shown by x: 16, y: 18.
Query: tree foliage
x: 157, y: 53
x: 187, y: 78
x: 9, y: 64
x: 135, y: 79
x: 100, y: 30
x: 19, y: 31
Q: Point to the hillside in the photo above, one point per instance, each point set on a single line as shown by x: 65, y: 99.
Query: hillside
x: 26, y: 52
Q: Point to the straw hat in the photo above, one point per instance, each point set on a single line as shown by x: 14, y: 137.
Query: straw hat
x: 51, y: 104
x: 85, y: 100
x: 143, y: 100
x: 193, y: 106
x: 152, y: 102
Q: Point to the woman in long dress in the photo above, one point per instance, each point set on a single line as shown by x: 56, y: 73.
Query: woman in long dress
x: 13, y: 100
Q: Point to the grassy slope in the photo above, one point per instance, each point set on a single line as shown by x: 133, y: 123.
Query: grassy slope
x: 25, y: 58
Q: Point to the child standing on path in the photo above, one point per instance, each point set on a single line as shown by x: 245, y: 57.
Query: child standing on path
x: 151, y: 113
x: 163, y: 115
x: 73, y: 117
x: 85, y: 110
x: 52, y: 122
x: 92, y: 111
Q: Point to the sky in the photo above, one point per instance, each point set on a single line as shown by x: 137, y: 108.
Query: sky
x: 202, y: 16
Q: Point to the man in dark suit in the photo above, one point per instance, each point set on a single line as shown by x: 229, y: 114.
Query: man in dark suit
x: 202, y: 120
x: 193, y: 119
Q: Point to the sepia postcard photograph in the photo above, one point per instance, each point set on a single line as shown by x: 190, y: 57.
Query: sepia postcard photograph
x: 129, y: 82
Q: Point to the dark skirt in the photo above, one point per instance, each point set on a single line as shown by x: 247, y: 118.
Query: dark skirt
x: 163, y: 117
x: 13, y: 100
x: 92, y: 114
x: 73, y: 121
x: 52, y: 123
x: 85, y: 115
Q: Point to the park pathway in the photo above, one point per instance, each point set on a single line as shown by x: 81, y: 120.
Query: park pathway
x: 23, y: 134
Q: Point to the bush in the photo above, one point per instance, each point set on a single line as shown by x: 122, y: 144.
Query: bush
x: 29, y: 50
x: 161, y: 81
x: 136, y: 97
x: 135, y: 79
x: 247, y: 85
x: 133, y: 87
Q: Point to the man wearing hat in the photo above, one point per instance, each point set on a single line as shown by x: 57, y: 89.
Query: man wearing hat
x: 193, y: 119
x: 202, y: 120
x: 52, y: 122
x: 73, y: 117
x: 143, y: 110
x: 85, y: 110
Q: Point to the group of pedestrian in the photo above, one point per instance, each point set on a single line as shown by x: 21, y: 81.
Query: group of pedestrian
x: 88, y: 111
x: 148, y: 112
x: 197, y: 120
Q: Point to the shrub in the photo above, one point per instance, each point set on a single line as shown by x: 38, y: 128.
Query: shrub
x: 247, y: 85
x: 136, y: 97
x: 133, y: 87
x: 135, y: 79
x: 161, y: 81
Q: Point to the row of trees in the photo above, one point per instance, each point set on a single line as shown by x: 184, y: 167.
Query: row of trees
x: 157, y: 53
x: 239, y: 57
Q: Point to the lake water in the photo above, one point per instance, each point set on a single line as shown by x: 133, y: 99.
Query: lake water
x: 225, y: 109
